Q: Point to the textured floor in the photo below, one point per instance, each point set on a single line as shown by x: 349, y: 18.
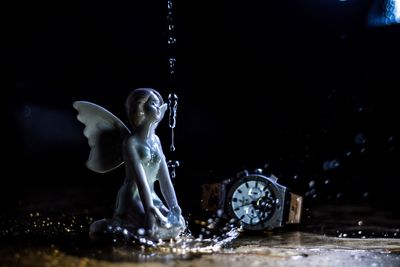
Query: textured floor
x: 329, y: 236
x: 279, y: 249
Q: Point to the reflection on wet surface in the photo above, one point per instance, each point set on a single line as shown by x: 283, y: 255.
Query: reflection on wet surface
x: 330, y: 236
x: 279, y: 249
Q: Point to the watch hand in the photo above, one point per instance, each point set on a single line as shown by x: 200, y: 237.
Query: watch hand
x: 249, y: 202
x: 244, y: 205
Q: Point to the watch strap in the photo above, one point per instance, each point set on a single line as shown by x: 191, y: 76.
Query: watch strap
x: 294, y: 208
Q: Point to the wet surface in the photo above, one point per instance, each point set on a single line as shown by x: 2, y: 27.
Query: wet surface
x: 282, y: 249
x: 330, y: 236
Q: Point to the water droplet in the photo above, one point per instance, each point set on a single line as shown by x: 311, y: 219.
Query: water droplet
x: 330, y: 164
x: 141, y: 231
x: 360, y: 139
x: 220, y: 212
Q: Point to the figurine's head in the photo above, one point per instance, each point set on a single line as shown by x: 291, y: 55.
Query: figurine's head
x: 144, y: 104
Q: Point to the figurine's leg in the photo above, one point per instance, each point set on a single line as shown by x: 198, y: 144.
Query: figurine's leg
x: 129, y: 209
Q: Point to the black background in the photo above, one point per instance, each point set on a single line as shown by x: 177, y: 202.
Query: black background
x: 304, y: 86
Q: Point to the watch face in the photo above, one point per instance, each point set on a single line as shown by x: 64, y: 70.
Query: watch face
x: 252, y: 200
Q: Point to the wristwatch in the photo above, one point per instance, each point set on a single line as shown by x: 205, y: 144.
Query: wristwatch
x: 255, y: 200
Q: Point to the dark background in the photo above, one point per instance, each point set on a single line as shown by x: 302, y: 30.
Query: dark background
x: 307, y: 87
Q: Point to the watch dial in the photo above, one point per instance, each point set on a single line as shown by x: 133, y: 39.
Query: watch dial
x: 252, y: 201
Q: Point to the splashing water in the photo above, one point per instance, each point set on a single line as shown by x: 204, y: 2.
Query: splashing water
x: 187, y: 244
x: 215, y: 234
x: 212, y: 236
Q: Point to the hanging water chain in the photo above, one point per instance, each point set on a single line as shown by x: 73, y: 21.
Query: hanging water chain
x: 172, y: 105
x: 172, y: 98
x: 171, y: 39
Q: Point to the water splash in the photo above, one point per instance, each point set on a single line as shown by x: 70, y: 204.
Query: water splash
x: 188, y: 244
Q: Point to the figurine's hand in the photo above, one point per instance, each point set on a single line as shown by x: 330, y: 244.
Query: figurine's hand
x: 159, y: 218
x: 174, y: 216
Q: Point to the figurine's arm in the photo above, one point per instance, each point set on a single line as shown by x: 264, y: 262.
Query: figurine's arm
x: 166, y: 186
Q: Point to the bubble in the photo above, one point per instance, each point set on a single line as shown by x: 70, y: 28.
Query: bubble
x: 360, y: 139
x: 330, y: 164
x: 220, y: 212
x: 141, y: 231
x: 311, y: 184
x: 360, y: 223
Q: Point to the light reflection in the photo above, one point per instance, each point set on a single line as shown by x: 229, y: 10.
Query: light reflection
x: 384, y: 13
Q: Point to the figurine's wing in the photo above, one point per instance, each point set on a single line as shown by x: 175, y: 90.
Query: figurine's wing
x: 105, y: 134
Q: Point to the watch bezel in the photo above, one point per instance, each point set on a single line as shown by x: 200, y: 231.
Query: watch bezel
x: 276, y: 219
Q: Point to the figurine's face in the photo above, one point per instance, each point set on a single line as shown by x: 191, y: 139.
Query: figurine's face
x: 153, y: 108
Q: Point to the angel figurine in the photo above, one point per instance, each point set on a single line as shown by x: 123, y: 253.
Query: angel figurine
x: 138, y: 208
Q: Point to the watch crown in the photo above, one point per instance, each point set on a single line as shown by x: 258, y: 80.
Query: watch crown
x: 258, y: 171
x: 242, y: 174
